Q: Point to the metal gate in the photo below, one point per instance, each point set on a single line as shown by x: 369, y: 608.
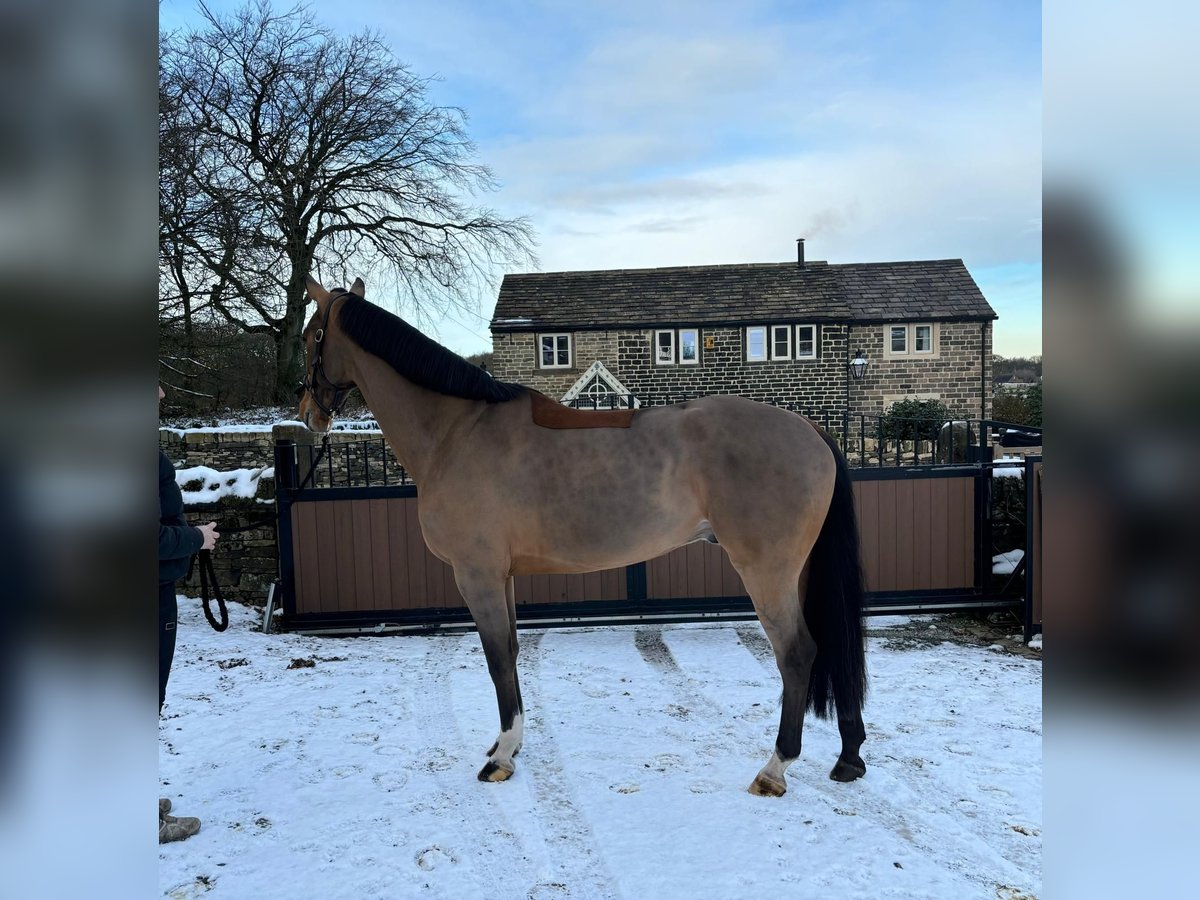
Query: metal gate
x: 353, y: 559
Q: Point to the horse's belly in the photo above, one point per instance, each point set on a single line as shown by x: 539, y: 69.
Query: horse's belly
x: 575, y: 552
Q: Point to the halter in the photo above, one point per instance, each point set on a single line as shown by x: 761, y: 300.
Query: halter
x: 317, y: 377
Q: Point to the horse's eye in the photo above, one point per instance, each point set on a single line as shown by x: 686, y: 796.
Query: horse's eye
x: 300, y: 389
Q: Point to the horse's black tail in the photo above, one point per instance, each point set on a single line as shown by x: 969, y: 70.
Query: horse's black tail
x: 833, y: 606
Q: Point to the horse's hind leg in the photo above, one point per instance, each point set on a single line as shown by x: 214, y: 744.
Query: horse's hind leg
x: 490, y: 610
x: 850, y: 764
x: 779, y: 604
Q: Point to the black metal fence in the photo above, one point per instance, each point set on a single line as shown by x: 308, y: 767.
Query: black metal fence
x: 872, y: 439
x: 367, y: 462
x: 866, y: 439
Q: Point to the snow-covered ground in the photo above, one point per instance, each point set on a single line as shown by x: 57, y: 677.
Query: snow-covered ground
x: 351, y: 773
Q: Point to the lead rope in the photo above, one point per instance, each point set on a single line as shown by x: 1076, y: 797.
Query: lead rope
x: 208, y: 574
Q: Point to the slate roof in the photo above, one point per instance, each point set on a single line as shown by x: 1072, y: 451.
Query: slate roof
x: 740, y: 294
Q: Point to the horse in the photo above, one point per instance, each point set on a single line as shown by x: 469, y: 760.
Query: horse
x: 499, y: 495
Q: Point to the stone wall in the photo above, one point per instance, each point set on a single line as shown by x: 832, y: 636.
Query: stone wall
x: 220, y: 450
x: 227, y: 450
x: 811, y: 383
x: 246, y: 563
x: 515, y: 357
x: 952, y: 373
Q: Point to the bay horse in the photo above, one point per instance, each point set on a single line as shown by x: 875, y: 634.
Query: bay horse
x: 499, y: 496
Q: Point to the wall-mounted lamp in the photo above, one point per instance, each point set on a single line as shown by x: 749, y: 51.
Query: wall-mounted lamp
x: 858, y: 366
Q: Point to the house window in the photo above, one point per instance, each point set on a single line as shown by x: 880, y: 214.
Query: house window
x: 756, y: 343
x: 918, y: 339
x: 781, y: 342
x: 664, y: 348
x: 556, y: 351
x: 806, y: 342
x: 922, y: 339
x: 689, y: 346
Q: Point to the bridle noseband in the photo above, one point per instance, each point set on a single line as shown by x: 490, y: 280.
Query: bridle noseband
x: 316, y: 376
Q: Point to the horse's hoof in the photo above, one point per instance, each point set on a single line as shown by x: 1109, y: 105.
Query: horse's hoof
x: 849, y: 770
x: 767, y: 787
x: 495, y: 772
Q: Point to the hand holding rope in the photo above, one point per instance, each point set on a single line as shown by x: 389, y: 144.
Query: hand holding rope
x: 209, y: 588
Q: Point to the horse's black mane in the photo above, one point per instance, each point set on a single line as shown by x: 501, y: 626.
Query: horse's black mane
x: 418, y: 358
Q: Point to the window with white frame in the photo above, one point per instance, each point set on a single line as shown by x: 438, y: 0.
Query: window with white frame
x: 922, y: 339
x: 689, y: 346
x: 664, y: 348
x: 916, y: 339
x: 555, y: 351
x: 756, y: 343
x: 806, y: 342
x: 781, y: 342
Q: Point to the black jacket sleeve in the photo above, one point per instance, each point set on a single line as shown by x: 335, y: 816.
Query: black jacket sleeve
x: 177, y: 540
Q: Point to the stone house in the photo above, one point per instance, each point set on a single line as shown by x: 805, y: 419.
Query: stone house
x: 785, y: 333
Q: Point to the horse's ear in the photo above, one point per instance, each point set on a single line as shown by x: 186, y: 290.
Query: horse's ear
x: 315, y: 290
x: 358, y: 288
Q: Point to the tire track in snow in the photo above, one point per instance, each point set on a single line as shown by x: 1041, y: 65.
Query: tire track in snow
x: 580, y: 872
x: 730, y: 722
x: 961, y: 850
x: 654, y: 650
x: 964, y: 851
x: 493, y: 847
x: 754, y: 640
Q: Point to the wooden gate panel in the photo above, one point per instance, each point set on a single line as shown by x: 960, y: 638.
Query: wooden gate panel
x: 962, y: 531
x: 364, y: 566
x: 343, y: 551
x: 694, y: 571
x: 306, y: 559
x: 356, y: 556
x: 917, y: 533
x: 417, y: 555
x: 381, y: 554
x: 889, y: 534
x: 326, y: 600
x: 939, y: 533
x: 905, y: 518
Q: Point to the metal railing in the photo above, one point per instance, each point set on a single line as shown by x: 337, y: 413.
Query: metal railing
x: 866, y: 440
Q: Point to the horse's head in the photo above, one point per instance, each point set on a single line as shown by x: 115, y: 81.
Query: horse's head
x: 326, y: 373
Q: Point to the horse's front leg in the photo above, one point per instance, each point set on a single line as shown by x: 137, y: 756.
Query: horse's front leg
x: 489, y: 608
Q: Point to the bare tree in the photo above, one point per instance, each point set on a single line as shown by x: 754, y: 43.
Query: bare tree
x: 287, y: 149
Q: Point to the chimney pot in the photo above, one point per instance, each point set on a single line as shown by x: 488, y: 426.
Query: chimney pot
x: 799, y: 253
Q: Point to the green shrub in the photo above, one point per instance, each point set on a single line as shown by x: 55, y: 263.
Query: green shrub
x: 1019, y: 407
x: 909, y: 420
x: 1010, y: 406
x: 1033, y: 401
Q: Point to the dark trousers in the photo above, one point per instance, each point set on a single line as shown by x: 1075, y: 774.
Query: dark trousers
x: 168, y: 612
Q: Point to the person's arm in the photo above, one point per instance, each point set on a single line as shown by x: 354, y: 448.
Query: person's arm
x: 178, y: 541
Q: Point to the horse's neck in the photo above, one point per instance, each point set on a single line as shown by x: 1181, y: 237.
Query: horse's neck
x: 415, y: 421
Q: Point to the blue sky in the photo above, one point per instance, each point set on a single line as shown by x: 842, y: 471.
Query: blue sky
x: 686, y: 133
